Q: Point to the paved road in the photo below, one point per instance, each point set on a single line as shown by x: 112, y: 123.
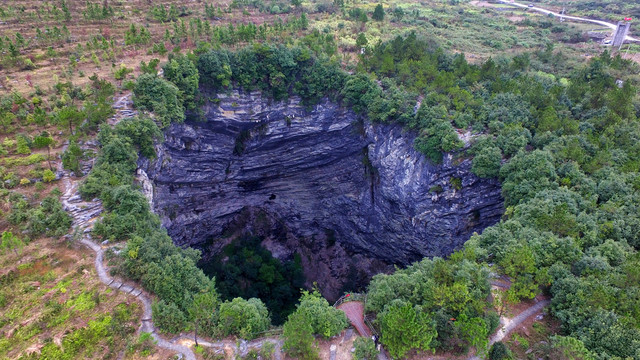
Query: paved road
x: 567, y: 17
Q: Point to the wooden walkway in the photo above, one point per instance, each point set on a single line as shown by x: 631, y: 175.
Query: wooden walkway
x: 355, y: 313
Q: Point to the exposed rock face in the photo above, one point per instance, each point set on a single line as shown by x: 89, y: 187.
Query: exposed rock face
x: 342, y: 192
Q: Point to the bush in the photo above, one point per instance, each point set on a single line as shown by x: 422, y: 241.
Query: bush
x: 499, y: 351
x: 365, y: 349
x: 48, y: 176
x: 155, y: 94
x: 298, y: 338
x: 168, y: 317
x: 486, y: 164
x: 243, y: 318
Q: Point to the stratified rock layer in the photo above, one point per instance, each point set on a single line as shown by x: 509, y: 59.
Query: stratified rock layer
x: 318, y: 181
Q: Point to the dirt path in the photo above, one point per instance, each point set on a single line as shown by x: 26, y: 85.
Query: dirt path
x: 84, y: 214
x: 355, y: 313
x: 509, y: 325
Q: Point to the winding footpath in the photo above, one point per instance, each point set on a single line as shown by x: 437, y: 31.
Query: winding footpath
x: 84, y: 214
x: 567, y: 17
x: 508, y: 325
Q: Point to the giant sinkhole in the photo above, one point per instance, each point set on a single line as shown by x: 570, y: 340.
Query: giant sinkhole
x: 320, y: 186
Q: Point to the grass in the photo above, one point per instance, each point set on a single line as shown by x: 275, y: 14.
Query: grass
x: 50, y: 293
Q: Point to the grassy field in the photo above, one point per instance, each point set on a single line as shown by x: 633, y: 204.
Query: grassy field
x: 51, y: 300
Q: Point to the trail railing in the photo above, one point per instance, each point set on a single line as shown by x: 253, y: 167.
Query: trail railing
x: 350, y: 297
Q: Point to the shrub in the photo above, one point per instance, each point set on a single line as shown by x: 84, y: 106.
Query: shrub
x: 243, y: 318
x: 168, y: 317
x: 365, y: 349
x: 48, y: 176
x: 152, y: 93
x: 298, y: 338
x: 499, y: 351
x: 22, y: 145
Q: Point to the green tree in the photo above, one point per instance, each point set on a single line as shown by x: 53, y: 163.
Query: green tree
x: 519, y: 263
x: 298, y: 338
x: 22, y: 144
x: 152, y: 93
x: 10, y: 242
x: 44, y: 140
x: 214, y: 69
x: 378, y: 13
x: 14, y: 51
x: 486, y: 163
x: 151, y: 67
x: 20, y: 42
x: 168, y: 317
x: 365, y: 349
x: 66, y: 13
x: 201, y: 311
x: 304, y: 23
x: 70, y: 116
x: 362, y: 41
x: 243, y: 318
x: 325, y: 320
x: 183, y: 73
x: 71, y: 158
x: 171, y: 278
x: 499, y: 351
x: 405, y: 327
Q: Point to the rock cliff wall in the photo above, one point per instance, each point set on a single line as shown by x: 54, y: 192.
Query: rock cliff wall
x: 349, y: 196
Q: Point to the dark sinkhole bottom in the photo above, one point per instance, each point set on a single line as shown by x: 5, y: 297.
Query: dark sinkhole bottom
x: 245, y: 269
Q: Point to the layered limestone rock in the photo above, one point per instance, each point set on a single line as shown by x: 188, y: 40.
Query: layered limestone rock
x: 349, y: 196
